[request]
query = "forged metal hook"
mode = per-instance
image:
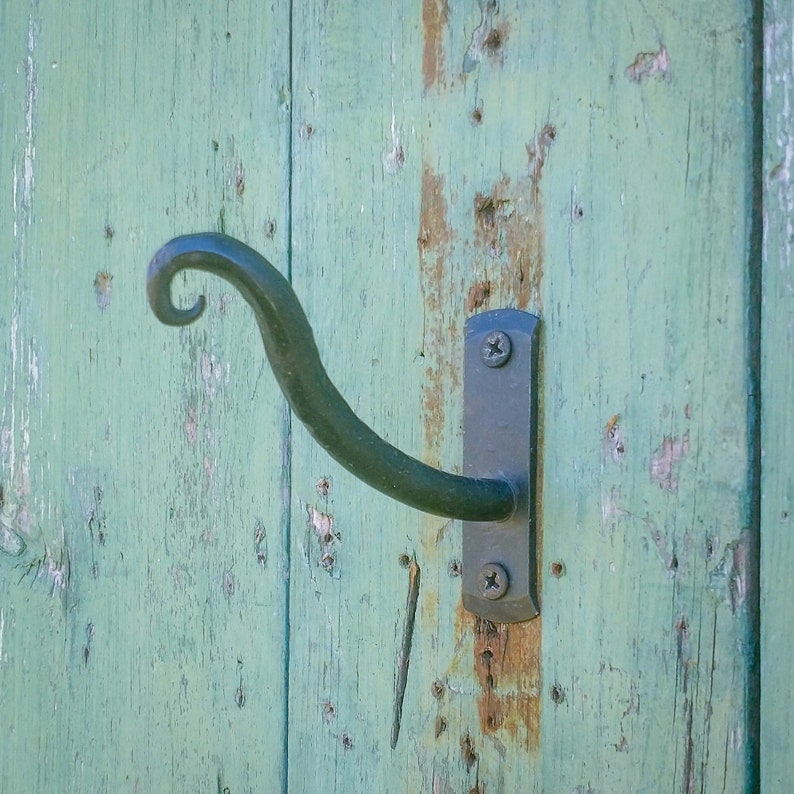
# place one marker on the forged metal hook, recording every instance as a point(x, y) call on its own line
point(292, 352)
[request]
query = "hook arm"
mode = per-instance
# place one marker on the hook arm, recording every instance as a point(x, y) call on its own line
point(293, 356)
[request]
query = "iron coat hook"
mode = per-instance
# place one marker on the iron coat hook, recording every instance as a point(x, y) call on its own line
point(495, 497)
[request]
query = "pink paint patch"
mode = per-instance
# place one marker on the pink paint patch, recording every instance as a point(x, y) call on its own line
point(665, 460)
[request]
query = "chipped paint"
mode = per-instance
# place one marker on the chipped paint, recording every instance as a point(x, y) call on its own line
point(435, 15)
point(239, 179)
point(648, 64)
point(394, 159)
point(190, 426)
point(31, 94)
point(507, 666)
point(12, 541)
point(260, 544)
point(486, 39)
point(435, 241)
point(479, 292)
point(729, 576)
point(614, 443)
point(506, 231)
point(16, 434)
point(213, 373)
point(509, 230)
point(537, 151)
point(103, 286)
point(665, 459)
point(322, 524)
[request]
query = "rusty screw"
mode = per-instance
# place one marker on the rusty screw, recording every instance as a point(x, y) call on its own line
point(495, 349)
point(492, 581)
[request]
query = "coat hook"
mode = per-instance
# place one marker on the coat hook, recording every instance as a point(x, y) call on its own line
point(499, 495)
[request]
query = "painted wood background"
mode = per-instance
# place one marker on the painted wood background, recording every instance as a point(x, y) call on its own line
point(193, 596)
point(143, 625)
point(777, 546)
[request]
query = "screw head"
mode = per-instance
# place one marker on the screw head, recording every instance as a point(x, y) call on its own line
point(492, 581)
point(495, 349)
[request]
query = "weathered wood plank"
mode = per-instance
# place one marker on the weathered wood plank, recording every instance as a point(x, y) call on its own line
point(777, 544)
point(588, 163)
point(142, 630)
point(354, 243)
point(645, 448)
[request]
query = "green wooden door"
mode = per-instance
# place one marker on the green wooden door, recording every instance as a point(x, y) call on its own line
point(193, 595)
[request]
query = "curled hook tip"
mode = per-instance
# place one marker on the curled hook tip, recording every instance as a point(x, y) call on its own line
point(161, 272)
point(169, 314)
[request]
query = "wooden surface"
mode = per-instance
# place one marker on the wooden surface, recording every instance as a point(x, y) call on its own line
point(143, 642)
point(777, 545)
point(204, 600)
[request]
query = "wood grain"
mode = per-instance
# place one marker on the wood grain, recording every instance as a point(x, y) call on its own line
point(594, 172)
point(193, 596)
point(777, 546)
point(143, 634)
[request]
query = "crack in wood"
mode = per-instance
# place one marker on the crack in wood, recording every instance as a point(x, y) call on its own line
point(404, 654)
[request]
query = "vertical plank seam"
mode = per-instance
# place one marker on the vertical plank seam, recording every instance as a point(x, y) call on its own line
point(754, 286)
point(287, 428)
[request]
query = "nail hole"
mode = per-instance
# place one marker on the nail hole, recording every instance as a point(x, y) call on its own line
point(404, 560)
point(347, 741)
point(493, 41)
point(557, 569)
point(323, 485)
point(557, 694)
point(467, 752)
point(455, 568)
point(476, 116)
point(437, 689)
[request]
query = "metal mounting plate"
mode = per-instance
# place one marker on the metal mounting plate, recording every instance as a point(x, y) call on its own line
point(500, 436)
